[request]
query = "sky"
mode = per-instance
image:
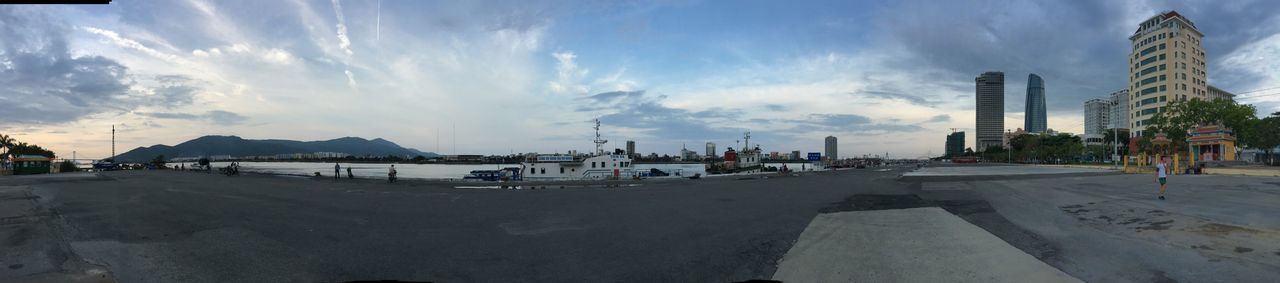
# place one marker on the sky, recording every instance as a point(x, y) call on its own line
point(499, 77)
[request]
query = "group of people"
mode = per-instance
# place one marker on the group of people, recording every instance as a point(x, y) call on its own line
point(337, 169)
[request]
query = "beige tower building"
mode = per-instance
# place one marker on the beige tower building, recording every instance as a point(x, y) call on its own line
point(1166, 64)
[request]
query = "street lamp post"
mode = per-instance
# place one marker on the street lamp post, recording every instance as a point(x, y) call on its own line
point(1115, 135)
point(1008, 151)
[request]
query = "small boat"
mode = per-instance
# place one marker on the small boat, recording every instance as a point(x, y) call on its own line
point(504, 174)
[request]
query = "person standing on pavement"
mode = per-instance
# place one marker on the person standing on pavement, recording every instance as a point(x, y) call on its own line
point(349, 176)
point(336, 169)
point(1162, 173)
point(391, 174)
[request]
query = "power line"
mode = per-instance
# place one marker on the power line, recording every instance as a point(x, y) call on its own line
point(1254, 96)
point(1258, 90)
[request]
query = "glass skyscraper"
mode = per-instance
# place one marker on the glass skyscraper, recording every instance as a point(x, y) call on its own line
point(1036, 120)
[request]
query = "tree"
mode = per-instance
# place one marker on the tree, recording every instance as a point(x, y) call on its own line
point(158, 161)
point(1109, 137)
point(1265, 135)
point(5, 143)
point(1183, 115)
point(22, 148)
point(67, 166)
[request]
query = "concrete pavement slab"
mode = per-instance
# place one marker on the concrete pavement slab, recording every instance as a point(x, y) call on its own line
point(907, 245)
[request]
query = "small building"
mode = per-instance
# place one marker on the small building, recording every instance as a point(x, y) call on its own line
point(1212, 143)
point(31, 164)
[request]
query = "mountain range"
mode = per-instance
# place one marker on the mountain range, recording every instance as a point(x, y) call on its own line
point(236, 146)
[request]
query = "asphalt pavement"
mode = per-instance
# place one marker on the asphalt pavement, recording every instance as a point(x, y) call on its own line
point(165, 226)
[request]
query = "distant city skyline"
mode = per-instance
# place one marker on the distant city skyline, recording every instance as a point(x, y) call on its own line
point(496, 78)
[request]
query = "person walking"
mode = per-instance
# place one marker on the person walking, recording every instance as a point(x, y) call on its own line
point(391, 174)
point(1162, 173)
point(349, 176)
point(336, 169)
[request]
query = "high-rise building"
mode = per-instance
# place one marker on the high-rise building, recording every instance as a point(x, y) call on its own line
point(795, 155)
point(711, 149)
point(1216, 93)
point(831, 149)
point(1036, 120)
point(631, 148)
point(1166, 64)
point(1097, 119)
point(1097, 115)
point(989, 109)
point(1119, 117)
point(955, 144)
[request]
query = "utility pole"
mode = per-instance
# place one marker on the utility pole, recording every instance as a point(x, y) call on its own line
point(1115, 134)
point(113, 143)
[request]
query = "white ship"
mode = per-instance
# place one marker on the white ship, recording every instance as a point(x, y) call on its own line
point(602, 165)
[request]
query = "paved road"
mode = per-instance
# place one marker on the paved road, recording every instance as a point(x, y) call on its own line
point(190, 227)
point(181, 226)
point(1112, 228)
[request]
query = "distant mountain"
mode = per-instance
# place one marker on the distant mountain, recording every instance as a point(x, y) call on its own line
point(236, 146)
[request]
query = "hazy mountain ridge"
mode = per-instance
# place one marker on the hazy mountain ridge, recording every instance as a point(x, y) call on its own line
point(239, 147)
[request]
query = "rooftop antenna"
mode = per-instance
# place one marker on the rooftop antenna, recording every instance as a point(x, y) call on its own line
point(599, 142)
point(746, 139)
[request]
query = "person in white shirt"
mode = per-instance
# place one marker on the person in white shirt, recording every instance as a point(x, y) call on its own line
point(391, 174)
point(1162, 171)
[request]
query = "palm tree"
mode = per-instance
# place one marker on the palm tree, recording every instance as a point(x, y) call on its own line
point(6, 143)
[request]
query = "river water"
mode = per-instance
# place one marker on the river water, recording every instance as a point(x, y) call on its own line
point(436, 171)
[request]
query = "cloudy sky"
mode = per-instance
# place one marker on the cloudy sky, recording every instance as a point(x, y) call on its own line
point(526, 76)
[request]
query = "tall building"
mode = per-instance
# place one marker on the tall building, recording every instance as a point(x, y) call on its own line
point(831, 149)
point(1166, 63)
point(989, 109)
point(955, 144)
point(711, 149)
point(1119, 117)
point(1097, 119)
point(631, 148)
point(1215, 93)
point(1036, 120)
point(795, 155)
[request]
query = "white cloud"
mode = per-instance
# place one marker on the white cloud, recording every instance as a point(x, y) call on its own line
point(568, 75)
point(343, 42)
point(131, 44)
point(351, 79)
point(277, 56)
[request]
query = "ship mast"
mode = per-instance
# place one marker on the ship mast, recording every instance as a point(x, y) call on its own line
point(746, 140)
point(599, 142)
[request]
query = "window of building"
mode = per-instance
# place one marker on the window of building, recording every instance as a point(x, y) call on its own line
point(561, 170)
point(593, 164)
point(1152, 69)
point(1162, 88)
point(1162, 98)
point(1162, 78)
point(531, 171)
point(1162, 67)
